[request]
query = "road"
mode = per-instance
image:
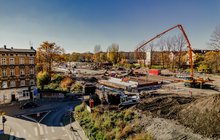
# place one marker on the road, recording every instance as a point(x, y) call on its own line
point(51, 127)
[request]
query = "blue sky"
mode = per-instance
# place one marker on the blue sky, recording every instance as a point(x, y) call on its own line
point(79, 25)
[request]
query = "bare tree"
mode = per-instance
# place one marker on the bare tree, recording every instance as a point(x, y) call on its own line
point(181, 43)
point(168, 46)
point(97, 49)
point(142, 55)
point(174, 46)
point(162, 44)
point(97, 52)
point(173, 42)
point(215, 38)
point(151, 54)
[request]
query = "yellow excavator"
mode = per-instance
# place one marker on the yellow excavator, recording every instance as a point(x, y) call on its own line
point(190, 81)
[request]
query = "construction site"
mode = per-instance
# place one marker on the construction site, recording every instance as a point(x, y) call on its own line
point(167, 109)
point(169, 104)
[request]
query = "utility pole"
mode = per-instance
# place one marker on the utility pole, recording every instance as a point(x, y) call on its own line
point(70, 119)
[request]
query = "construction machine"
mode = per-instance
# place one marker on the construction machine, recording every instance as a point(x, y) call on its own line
point(190, 81)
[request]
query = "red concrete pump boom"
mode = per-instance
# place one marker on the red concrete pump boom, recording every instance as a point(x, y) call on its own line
point(187, 41)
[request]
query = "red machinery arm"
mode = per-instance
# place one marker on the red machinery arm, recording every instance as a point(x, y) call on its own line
point(187, 41)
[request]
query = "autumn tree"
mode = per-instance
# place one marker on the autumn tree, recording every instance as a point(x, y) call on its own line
point(43, 78)
point(212, 59)
point(48, 53)
point(103, 57)
point(87, 57)
point(67, 57)
point(77, 87)
point(204, 67)
point(75, 57)
point(66, 83)
point(113, 54)
point(198, 59)
point(215, 38)
point(39, 61)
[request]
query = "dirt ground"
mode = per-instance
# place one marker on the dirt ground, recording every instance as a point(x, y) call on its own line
point(178, 112)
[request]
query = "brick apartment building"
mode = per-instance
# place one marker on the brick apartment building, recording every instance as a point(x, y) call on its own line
point(17, 74)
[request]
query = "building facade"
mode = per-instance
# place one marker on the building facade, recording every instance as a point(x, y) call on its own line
point(17, 74)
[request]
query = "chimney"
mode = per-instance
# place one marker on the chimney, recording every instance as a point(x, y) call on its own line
point(32, 48)
point(11, 47)
point(4, 46)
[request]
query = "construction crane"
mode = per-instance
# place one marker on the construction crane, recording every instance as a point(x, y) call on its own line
point(190, 81)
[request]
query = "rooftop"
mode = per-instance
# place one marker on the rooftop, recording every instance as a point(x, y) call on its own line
point(5, 49)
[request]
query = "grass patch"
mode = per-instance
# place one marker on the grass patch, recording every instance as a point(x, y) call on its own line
point(107, 125)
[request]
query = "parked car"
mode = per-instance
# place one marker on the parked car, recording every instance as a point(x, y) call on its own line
point(29, 105)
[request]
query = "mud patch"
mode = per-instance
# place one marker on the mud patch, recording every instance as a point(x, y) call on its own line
point(164, 105)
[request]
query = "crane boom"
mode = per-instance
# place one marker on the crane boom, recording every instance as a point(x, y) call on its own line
point(187, 41)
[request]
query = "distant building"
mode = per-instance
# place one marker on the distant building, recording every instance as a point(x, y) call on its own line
point(169, 56)
point(148, 57)
point(17, 74)
point(131, 57)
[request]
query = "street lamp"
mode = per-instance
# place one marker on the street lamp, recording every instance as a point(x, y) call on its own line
point(3, 121)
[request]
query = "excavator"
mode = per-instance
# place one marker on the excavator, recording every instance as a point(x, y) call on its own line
point(189, 81)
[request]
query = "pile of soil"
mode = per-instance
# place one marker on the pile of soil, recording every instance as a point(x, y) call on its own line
point(163, 105)
point(203, 116)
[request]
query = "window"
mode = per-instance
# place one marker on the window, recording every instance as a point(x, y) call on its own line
point(4, 72)
point(3, 61)
point(12, 61)
point(22, 72)
point(12, 83)
point(12, 72)
point(31, 70)
point(31, 61)
point(32, 82)
point(21, 60)
point(4, 84)
point(25, 93)
point(22, 83)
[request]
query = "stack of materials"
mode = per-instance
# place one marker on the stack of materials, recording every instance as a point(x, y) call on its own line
point(119, 83)
point(126, 83)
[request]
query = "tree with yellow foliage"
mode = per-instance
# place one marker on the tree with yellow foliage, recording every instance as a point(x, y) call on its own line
point(48, 53)
point(113, 54)
point(212, 59)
